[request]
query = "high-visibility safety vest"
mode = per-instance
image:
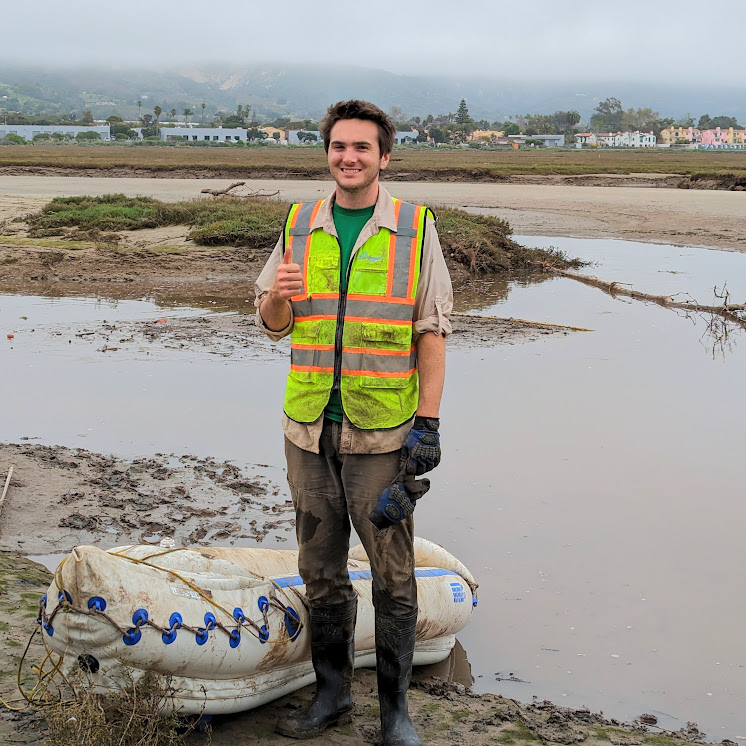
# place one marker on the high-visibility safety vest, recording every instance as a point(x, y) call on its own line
point(359, 340)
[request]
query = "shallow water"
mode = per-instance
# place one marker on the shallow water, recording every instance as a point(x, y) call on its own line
point(591, 482)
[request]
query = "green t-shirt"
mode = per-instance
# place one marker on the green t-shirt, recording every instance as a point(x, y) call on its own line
point(348, 223)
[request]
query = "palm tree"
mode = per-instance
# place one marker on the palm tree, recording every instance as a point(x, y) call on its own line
point(139, 106)
point(173, 114)
point(157, 111)
point(187, 113)
point(203, 112)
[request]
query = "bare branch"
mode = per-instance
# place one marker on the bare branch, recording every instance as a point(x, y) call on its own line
point(234, 185)
point(735, 313)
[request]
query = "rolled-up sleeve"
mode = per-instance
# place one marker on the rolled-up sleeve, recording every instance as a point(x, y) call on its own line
point(263, 284)
point(434, 301)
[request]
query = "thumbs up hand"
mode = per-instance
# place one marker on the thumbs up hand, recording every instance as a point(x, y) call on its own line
point(288, 279)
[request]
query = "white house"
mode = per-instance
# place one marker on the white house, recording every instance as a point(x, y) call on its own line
point(586, 138)
point(405, 138)
point(642, 139)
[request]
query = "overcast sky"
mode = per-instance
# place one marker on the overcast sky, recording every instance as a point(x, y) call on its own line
point(539, 40)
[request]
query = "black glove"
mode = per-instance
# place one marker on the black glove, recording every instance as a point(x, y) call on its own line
point(397, 501)
point(421, 450)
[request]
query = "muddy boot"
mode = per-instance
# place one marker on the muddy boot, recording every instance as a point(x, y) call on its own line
point(394, 650)
point(333, 658)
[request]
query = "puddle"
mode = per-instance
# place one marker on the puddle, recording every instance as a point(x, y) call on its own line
point(591, 482)
point(50, 561)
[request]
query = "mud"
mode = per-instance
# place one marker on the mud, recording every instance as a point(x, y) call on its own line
point(60, 497)
point(444, 712)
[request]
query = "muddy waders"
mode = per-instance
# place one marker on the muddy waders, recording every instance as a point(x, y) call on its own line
point(394, 650)
point(333, 658)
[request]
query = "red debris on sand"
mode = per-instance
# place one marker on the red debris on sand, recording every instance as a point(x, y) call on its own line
point(161, 321)
point(11, 336)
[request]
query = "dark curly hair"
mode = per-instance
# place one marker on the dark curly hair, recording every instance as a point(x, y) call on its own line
point(355, 109)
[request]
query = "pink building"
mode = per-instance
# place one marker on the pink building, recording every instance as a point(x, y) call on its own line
point(719, 138)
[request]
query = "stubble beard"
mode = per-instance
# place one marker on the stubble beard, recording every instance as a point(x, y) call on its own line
point(355, 190)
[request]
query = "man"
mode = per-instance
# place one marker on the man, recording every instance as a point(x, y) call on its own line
point(360, 282)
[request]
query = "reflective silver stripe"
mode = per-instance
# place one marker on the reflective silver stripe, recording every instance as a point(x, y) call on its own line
point(312, 358)
point(372, 309)
point(315, 307)
point(403, 252)
point(301, 230)
point(379, 363)
point(405, 224)
point(303, 223)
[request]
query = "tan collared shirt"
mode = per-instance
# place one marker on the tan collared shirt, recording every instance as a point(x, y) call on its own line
point(432, 309)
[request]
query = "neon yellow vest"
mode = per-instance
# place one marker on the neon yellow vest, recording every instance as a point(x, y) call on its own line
point(361, 339)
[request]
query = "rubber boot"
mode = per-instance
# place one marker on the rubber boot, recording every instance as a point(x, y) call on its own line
point(394, 651)
point(333, 657)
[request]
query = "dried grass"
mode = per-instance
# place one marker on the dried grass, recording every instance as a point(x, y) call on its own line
point(139, 714)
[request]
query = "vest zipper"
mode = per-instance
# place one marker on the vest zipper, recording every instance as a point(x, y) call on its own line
point(336, 382)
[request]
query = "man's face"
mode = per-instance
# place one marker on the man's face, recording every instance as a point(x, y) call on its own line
point(354, 155)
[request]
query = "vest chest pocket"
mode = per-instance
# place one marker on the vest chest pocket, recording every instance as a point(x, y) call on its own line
point(307, 332)
point(386, 336)
point(325, 273)
point(370, 271)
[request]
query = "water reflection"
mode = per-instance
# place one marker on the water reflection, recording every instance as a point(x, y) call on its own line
point(477, 294)
point(455, 669)
point(236, 297)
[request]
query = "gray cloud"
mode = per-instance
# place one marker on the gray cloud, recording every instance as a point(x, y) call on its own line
point(635, 40)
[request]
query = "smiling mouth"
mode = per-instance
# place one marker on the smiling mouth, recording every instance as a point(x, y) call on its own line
point(350, 170)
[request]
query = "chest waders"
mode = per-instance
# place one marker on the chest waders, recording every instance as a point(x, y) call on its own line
point(357, 340)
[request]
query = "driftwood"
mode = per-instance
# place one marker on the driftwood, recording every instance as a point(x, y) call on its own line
point(5, 489)
point(227, 190)
point(730, 311)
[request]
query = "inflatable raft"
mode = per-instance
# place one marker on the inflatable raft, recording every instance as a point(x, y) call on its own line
point(228, 626)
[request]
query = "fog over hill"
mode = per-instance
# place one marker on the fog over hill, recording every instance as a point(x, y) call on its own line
point(304, 91)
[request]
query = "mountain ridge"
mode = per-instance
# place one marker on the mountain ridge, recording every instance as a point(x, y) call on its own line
point(304, 91)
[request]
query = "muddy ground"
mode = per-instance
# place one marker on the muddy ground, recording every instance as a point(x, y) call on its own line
point(444, 711)
point(60, 497)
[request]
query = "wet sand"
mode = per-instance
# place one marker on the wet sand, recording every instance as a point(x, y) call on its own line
point(675, 216)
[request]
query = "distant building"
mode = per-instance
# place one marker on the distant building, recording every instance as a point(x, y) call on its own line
point(586, 138)
point(679, 135)
point(723, 139)
point(550, 141)
point(204, 134)
point(406, 138)
point(28, 131)
point(294, 137)
point(618, 139)
point(490, 135)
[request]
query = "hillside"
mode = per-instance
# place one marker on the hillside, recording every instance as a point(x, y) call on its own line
point(305, 90)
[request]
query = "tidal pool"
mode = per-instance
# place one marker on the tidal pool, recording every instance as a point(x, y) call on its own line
point(591, 482)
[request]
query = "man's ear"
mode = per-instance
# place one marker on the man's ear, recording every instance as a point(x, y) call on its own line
point(385, 160)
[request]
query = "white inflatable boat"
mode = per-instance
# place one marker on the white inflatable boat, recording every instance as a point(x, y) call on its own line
point(227, 625)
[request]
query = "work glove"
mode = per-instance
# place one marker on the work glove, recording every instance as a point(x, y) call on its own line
point(397, 500)
point(421, 450)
